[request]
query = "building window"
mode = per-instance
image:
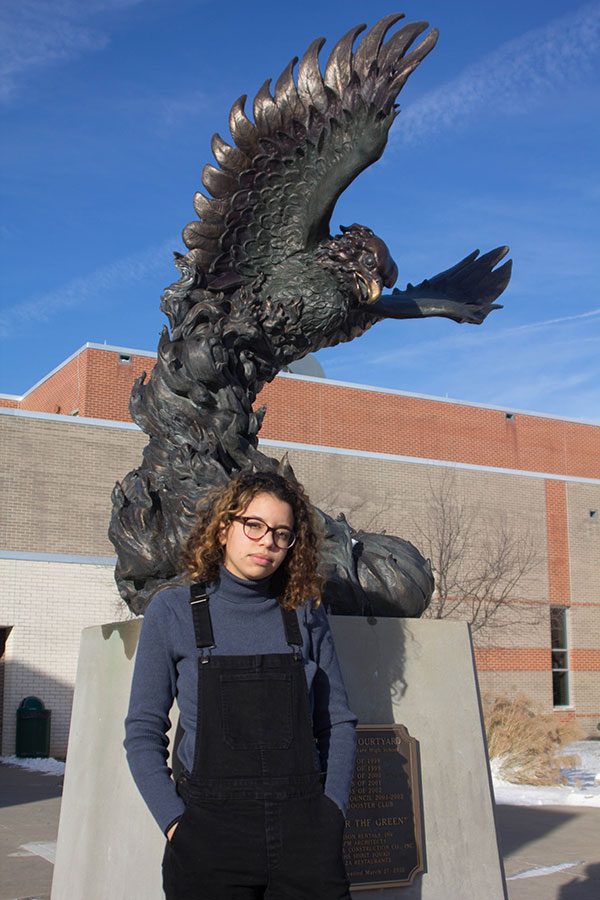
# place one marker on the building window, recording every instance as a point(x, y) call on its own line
point(560, 656)
point(124, 358)
point(594, 515)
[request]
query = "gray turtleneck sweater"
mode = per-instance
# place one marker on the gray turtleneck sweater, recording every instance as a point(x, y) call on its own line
point(246, 619)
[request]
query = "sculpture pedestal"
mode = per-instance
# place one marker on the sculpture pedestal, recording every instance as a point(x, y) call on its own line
point(419, 673)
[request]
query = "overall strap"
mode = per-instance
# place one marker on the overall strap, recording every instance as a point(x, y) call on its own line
point(201, 616)
point(293, 635)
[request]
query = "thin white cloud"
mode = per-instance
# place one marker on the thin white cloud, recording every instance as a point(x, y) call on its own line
point(510, 78)
point(35, 34)
point(87, 288)
point(165, 113)
point(592, 313)
point(474, 338)
point(503, 366)
point(556, 370)
point(175, 111)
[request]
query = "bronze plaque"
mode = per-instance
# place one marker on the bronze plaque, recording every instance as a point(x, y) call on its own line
point(383, 842)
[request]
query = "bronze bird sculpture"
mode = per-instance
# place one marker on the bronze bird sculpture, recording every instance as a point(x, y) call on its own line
point(264, 283)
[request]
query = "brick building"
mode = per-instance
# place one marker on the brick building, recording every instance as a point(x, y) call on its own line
point(383, 457)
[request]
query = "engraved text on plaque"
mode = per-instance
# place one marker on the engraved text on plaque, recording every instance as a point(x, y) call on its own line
point(382, 843)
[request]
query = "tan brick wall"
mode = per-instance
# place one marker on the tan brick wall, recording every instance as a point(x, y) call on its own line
point(56, 480)
point(559, 579)
point(48, 605)
point(58, 476)
point(537, 686)
point(523, 625)
point(377, 494)
point(585, 694)
point(584, 660)
point(583, 625)
point(584, 541)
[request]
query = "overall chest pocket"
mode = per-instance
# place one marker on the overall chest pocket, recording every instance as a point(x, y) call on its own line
point(256, 710)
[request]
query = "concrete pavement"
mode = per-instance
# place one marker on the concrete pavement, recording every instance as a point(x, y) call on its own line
point(536, 840)
point(29, 810)
point(550, 853)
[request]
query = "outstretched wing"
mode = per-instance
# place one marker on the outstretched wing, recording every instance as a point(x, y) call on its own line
point(273, 191)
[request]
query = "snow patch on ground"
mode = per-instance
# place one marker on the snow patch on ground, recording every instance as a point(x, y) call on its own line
point(543, 870)
point(581, 788)
point(45, 849)
point(44, 766)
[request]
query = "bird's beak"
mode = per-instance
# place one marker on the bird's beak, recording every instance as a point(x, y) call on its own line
point(368, 291)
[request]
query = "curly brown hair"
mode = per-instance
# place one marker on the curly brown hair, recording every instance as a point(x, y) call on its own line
point(297, 578)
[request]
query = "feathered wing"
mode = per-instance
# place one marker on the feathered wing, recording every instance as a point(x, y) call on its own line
point(271, 195)
point(273, 191)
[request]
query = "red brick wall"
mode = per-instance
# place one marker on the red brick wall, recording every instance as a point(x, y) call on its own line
point(557, 532)
point(62, 392)
point(513, 659)
point(334, 416)
point(585, 660)
point(95, 382)
point(112, 381)
point(10, 404)
point(313, 412)
point(533, 659)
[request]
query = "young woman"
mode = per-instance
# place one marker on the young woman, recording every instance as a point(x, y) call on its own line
point(268, 740)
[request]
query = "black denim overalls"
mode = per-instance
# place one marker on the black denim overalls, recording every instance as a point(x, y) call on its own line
point(256, 824)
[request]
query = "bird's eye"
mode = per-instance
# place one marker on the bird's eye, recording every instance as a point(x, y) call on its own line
point(370, 261)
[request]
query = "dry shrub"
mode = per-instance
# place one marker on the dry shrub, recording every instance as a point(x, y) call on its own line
point(526, 743)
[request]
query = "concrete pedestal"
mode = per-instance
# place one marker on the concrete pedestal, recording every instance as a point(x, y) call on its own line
point(418, 673)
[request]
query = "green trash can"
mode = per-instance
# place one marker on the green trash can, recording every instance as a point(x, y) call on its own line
point(33, 729)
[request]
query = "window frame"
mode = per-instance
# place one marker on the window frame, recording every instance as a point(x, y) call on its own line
point(564, 669)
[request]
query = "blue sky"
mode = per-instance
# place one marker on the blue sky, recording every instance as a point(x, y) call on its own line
point(108, 107)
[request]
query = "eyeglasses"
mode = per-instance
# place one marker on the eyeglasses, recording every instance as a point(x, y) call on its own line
point(255, 529)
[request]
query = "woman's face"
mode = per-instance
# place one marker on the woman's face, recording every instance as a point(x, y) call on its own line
point(254, 559)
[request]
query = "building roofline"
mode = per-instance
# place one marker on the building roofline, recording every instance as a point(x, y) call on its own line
point(64, 419)
point(79, 559)
point(151, 354)
point(112, 348)
point(423, 460)
point(451, 400)
point(53, 372)
point(315, 448)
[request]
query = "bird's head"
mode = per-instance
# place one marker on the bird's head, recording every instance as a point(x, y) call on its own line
point(365, 259)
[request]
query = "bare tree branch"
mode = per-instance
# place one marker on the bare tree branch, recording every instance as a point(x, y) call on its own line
point(479, 561)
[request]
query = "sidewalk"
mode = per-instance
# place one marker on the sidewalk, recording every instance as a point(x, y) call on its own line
point(537, 841)
point(556, 848)
point(29, 810)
